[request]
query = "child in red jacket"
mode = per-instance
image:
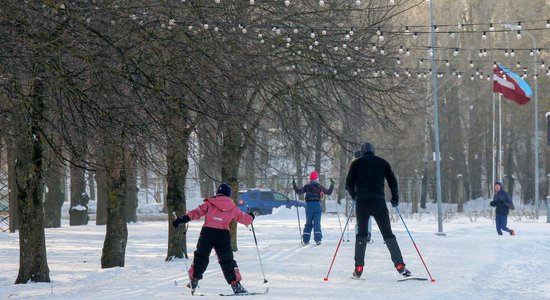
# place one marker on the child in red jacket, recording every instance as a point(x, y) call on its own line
point(218, 211)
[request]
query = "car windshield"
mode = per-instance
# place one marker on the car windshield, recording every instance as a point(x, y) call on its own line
point(280, 197)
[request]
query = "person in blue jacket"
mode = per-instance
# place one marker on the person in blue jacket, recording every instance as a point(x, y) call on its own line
point(314, 192)
point(503, 203)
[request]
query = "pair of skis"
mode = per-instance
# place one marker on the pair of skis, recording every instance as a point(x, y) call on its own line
point(197, 293)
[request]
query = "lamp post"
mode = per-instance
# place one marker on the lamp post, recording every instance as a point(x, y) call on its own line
point(436, 125)
point(537, 195)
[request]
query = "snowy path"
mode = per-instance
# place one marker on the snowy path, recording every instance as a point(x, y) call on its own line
point(470, 262)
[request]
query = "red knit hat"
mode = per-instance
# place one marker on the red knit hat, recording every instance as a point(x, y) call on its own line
point(313, 176)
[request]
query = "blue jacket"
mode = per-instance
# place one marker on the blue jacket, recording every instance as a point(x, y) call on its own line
point(314, 191)
point(503, 202)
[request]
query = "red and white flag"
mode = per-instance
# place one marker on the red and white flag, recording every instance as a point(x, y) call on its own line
point(511, 85)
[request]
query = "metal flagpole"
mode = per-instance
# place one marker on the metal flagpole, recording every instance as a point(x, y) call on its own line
point(494, 152)
point(500, 167)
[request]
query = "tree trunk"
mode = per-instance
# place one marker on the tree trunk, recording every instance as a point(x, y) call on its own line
point(207, 152)
point(131, 198)
point(343, 170)
point(116, 237)
point(232, 151)
point(55, 195)
point(12, 188)
point(33, 264)
point(91, 185)
point(102, 198)
point(178, 165)
point(78, 212)
point(54, 177)
point(318, 145)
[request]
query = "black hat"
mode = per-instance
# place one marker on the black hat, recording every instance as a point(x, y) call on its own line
point(367, 147)
point(224, 189)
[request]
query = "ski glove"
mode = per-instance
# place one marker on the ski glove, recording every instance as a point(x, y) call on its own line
point(293, 182)
point(180, 220)
point(332, 181)
point(252, 215)
point(394, 202)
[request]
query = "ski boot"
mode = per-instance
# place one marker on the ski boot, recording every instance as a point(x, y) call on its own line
point(318, 243)
point(403, 271)
point(238, 288)
point(357, 272)
point(193, 284)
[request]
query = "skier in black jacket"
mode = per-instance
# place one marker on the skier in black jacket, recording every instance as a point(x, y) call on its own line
point(503, 203)
point(365, 184)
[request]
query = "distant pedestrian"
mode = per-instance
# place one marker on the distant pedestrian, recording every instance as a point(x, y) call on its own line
point(218, 211)
point(365, 183)
point(314, 192)
point(503, 203)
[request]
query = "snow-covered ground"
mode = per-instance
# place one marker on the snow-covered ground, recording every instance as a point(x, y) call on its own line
point(470, 262)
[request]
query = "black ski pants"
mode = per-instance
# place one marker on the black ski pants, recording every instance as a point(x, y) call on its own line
point(220, 240)
point(377, 208)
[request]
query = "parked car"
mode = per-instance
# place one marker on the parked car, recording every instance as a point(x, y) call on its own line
point(263, 201)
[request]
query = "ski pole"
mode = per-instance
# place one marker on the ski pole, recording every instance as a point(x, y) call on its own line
point(338, 214)
point(185, 252)
point(297, 212)
point(258, 250)
point(339, 242)
point(420, 255)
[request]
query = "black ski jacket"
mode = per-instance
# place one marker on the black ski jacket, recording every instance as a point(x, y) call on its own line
point(365, 179)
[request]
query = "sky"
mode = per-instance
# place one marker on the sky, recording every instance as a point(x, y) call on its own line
point(469, 262)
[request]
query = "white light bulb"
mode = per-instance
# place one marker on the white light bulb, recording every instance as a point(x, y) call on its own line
point(217, 1)
point(512, 54)
point(244, 30)
point(356, 48)
point(336, 48)
point(381, 37)
point(251, 2)
point(205, 26)
point(484, 36)
point(295, 30)
point(344, 46)
point(347, 37)
point(287, 3)
point(316, 43)
point(392, 2)
point(348, 58)
point(321, 2)
point(531, 53)
point(324, 32)
point(518, 36)
point(358, 2)
point(455, 53)
point(260, 35)
point(216, 28)
point(312, 35)
point(452, 34)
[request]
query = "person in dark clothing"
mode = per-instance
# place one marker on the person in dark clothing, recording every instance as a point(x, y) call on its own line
point(503, 203)
point(356, 155)
point(218, 212)
point(365, 184)
point(314, 192)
